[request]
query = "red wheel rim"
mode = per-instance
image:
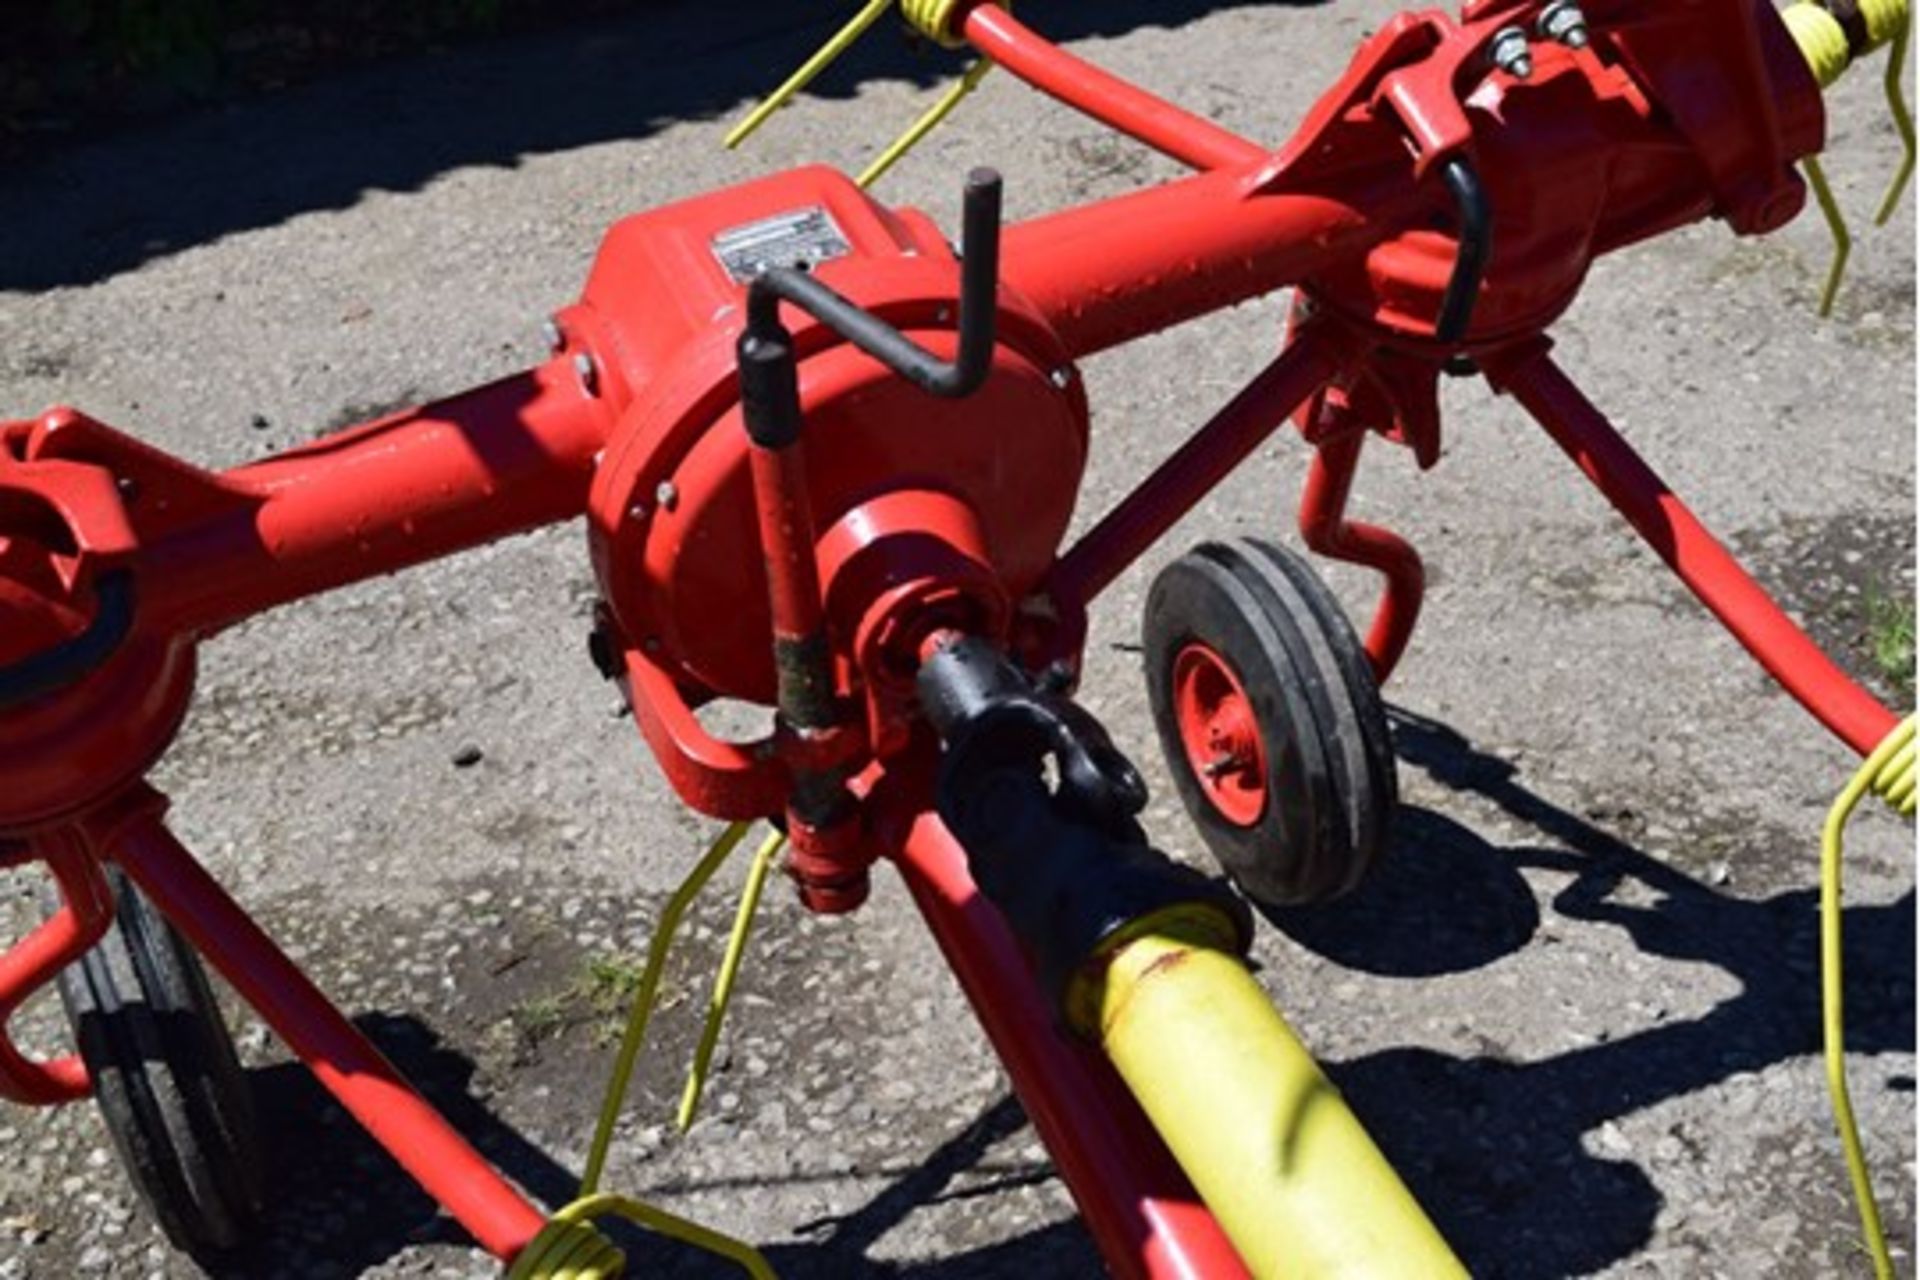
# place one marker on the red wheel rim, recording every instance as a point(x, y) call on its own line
point(1220, 735)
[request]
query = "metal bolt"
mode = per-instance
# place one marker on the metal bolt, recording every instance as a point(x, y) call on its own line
point(1563, 21)
point(555, 337)
point(1061, 378)
point(1221, 765)
point(1508, 52)
point(666, 495)
point(589, 376)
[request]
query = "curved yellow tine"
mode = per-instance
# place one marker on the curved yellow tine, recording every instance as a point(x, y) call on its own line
point(841, 41)
point(925, 124)
point(729, 970)
point(673, 1226)
point(1837, 224)
point(643, 999)
point(1902, 121)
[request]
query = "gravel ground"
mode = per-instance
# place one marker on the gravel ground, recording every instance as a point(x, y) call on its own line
point(1578, 1007)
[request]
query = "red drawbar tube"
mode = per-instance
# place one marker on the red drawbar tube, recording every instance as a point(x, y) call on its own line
point(1188, 138)
point(1324, 527)
point(1260, 409)
point(1141, 1210)
point(341, 1059)
point(1707, 568)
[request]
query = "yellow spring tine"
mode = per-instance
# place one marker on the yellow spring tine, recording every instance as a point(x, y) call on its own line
point(925, 124)
point(729, 970)
point(842, 40)
point(1902, 121)
point(672, 1226)
point(643, 999)
point(1837, 224)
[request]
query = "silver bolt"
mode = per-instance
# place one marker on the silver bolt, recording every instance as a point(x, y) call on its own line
point(1220, 766)
point(1563, 21)
point(1508, 51)
point(551, 332)
point(666, 495)
point(1061, 378)
point(589, 376)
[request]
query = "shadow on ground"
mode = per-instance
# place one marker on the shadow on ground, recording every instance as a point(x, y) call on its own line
point(1492, 1146)
point(341, 1206)
point(101, 208)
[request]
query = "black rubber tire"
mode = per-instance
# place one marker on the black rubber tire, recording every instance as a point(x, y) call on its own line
point(1331, 783)
point(176, 1102)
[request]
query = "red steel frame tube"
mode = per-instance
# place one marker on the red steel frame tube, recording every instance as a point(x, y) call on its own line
point(1158, 503)
point(1107, 273)
point(499, 459)
point(1139, 1206)
point(86, 908)
point(342, 1059)
point(1188, 138)
point(1707, 568)
point(1325, 529)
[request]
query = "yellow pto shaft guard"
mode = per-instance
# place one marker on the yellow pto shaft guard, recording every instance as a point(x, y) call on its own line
point(1267, 1140)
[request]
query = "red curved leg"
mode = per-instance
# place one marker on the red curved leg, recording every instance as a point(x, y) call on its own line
point(341, 1058)
point(1326, 530)
point(85, 911)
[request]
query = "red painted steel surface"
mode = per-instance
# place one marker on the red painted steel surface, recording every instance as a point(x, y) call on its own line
point(1145, 1216)
point(1324, 527)
point(1709, 570)
point(1195, 468)
point(341, 1059)
point(411, 487)
point(86, 909)
point(1191, 139)
point(1674, 113)
point(1220, 734)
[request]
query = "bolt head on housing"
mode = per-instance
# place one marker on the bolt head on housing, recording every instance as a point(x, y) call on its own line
point(1508, 52)
point(1563, 21)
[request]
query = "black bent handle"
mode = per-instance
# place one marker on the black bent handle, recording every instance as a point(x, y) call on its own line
point(68, 661)
point(979, 293)
point(1470, 259)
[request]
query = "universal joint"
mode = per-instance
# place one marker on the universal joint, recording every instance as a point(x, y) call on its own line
point(1044, 805)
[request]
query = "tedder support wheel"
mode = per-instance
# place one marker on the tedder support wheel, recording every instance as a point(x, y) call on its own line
point(1270, 720)
point(166, 1077)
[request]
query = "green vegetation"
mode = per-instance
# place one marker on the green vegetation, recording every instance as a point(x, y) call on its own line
point(599, 992)
point(1890, 639)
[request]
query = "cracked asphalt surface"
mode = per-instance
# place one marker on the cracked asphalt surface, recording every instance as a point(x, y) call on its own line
point(1578, 1007)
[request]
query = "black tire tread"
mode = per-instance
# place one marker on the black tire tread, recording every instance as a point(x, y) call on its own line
point(166, 1077)
point(1332, 784)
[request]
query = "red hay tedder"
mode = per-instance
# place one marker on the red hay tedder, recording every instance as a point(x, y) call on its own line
point(791, 406)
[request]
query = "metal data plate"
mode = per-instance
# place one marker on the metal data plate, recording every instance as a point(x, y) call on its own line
point(800, 236)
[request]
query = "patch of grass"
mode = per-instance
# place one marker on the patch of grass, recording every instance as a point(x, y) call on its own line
point(600, 991)
point(541, 1017)
point(608, 983)
point(1890, 639)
